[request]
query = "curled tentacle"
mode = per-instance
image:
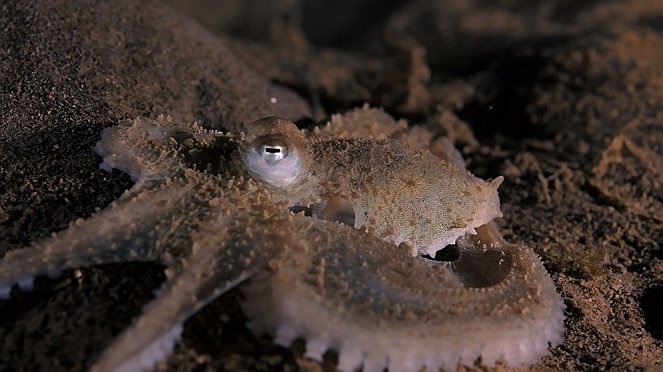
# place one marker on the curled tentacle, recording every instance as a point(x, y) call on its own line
point(380, 307)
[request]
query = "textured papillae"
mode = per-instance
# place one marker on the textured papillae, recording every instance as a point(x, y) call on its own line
point(406, 199)
point(218, 209)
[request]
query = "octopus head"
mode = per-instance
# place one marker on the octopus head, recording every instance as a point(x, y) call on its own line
point(400, 194)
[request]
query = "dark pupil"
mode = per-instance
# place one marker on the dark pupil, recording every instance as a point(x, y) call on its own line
point(273, 150)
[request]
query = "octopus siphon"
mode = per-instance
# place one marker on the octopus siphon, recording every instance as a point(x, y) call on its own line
point(325, 231)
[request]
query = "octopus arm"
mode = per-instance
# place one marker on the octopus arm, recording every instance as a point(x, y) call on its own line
point(152, 336)
point(361, 123)
point(153, 151)
point(384, 308)
point(375, 122)
point(133, 228)
point(228, 249)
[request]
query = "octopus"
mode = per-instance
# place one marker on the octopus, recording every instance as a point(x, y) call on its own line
point(325, 231)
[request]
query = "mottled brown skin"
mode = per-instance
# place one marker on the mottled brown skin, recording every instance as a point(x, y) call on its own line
point(411, 197)
point(202, 208)
point(399, 194)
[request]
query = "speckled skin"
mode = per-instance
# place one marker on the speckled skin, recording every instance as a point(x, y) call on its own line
point(214, 222)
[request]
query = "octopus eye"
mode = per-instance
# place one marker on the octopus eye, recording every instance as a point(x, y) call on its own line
point(273, 151)
point(273, 162)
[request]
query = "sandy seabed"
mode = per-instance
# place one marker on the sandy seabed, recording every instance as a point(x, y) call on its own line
point(562, 98)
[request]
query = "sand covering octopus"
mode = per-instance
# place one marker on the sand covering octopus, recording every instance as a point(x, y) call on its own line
point(261, 210)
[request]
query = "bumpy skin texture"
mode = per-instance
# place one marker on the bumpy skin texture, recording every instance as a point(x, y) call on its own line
point(214, 209)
